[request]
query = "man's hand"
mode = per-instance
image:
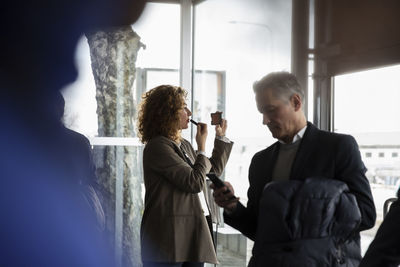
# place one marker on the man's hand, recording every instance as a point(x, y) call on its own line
point(228, 201)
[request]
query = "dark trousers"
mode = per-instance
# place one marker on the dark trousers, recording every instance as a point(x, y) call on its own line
point(172, 264)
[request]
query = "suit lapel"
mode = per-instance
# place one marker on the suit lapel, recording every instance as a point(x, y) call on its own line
point(270, 163)
point(306, 148)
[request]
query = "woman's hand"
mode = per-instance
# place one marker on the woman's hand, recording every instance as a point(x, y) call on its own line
point(220, 129)
point(201, 136)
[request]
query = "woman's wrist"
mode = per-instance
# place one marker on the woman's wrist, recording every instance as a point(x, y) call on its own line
point(201, 147)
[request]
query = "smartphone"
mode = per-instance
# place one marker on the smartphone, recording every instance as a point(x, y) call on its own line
point(218, 182)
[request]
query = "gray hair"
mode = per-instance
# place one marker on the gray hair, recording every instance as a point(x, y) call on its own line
point(283, 84)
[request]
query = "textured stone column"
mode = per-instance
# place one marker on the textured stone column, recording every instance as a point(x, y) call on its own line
point(113, 54)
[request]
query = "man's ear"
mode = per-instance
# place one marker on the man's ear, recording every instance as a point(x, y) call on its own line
point(295, 101)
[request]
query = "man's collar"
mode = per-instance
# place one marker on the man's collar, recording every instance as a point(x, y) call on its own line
point(298, 136)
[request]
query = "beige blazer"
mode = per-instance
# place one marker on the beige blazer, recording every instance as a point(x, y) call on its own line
point(174, 228)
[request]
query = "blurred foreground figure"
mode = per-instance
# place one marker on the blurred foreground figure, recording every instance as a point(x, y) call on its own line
point(45, 219)
point(81, 160)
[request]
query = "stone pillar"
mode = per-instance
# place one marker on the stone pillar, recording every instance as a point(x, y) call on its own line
point(113, 55)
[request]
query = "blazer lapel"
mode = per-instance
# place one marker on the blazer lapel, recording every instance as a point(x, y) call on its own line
point(306, 148)
point(178, 150)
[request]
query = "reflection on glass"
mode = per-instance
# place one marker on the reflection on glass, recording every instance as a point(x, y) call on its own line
point(366, 106)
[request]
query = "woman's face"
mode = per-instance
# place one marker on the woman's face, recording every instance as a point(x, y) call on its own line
point(184, 115)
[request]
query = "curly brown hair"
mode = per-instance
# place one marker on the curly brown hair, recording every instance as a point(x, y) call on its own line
point(159, 112)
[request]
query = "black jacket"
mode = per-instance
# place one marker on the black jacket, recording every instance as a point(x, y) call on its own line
point(308, 224)
point(320, 154)
point(384, 251)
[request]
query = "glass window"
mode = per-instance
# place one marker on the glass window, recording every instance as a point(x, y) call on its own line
point(117, 154)
point(395, 154)
point(368, 154)
point(159, 31)
point(236, 43)
point(158, 61)
point(366, 106)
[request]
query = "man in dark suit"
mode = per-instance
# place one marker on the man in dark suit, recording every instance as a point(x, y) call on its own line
point(302, 151)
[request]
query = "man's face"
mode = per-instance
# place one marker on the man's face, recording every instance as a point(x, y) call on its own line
point(278, 114)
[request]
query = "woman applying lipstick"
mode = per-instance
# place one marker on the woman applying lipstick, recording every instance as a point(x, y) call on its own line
point(174, 230)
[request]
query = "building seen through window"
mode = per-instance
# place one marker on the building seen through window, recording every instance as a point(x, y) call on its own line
point(377, 130)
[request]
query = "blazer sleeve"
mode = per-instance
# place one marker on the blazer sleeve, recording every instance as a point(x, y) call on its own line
point(220, 155)
point(351, 170)
point(161, 157)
